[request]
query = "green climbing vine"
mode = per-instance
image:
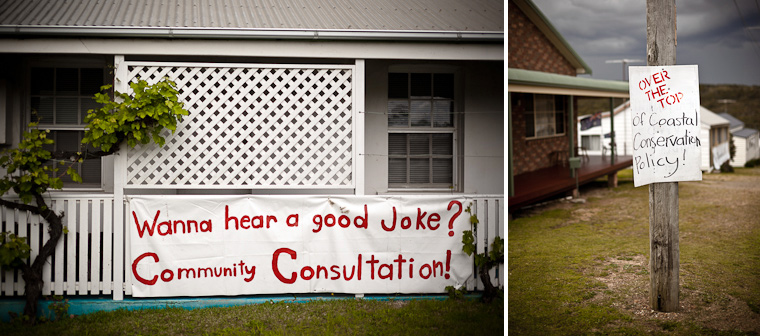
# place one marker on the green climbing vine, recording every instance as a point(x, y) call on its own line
point(492, 256)
point(135, 118)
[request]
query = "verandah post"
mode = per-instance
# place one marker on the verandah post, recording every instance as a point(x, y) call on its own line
point(663, 197)
point(120, 252)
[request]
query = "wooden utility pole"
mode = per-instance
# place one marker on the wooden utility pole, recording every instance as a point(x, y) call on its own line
point(664, 261)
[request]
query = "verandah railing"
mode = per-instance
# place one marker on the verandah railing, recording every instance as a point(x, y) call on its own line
point(90, 258)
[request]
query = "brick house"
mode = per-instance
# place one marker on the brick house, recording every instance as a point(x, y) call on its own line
point(543, 95)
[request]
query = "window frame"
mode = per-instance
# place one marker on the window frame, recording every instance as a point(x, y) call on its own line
point(78, 62)
point(554, 116)
point(454, 130)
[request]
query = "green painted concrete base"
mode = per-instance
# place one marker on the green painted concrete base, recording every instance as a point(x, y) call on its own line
point(88, 305)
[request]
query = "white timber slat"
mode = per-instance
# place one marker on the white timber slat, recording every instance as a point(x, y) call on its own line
point(58, 286)
point(71, 247)
point(127, 256)
point(492, 230)
point(96, 222)
point(83, 256)
point(482, 235)
point(34, 240)
point(107, 245)
point(47, 268)
point(502, 233)
point(9, 222)
point(22, 232)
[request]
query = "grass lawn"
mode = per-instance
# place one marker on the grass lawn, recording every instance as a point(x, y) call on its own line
point(583, 268)
point(333, 317)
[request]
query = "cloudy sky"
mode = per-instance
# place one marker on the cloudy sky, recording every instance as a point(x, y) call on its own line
point(711, 34)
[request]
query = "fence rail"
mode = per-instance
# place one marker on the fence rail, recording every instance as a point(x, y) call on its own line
point(83, 259)
point(83, 262)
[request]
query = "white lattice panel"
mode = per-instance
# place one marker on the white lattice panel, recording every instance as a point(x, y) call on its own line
point(251, 126)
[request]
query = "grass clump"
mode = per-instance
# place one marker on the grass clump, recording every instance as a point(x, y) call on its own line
point(333, 317)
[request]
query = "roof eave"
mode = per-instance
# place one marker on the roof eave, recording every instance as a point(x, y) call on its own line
point(537, 79)
point(239, 33)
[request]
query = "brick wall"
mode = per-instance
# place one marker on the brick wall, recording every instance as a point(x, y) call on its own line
point(529, 49)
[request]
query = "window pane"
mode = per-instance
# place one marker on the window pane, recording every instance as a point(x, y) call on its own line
point(67, 81)
point(545, 124)
point(398, 113)
point(443, 113)
point(67, 141)
point(560, 122)
point(90, 171)
point(421, 85)
point(419, 170)
point(66, 110)
point(443, 86)
point(42, 81)
point(544, 103)
point(443, 171)
point(88, 104)
point(396, 170)
point(530, 125)
point(396, 144)
point(92, 80)
point(398, 85)
point(420, 114)
point(42, 110)
point(443, 144)
point(419, 144)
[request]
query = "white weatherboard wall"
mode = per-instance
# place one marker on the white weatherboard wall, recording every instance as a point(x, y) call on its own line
point(746, 149)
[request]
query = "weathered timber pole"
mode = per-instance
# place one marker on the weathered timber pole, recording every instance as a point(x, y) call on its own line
point(664, 261)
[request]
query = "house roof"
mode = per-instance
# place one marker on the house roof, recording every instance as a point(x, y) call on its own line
point(744, 132)
point(545, 26)
point(710, 118)
point(521, 80)
point(606, 114)
point(332, 19)
point(733, 122)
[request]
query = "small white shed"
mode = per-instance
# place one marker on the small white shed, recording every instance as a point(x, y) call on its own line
point(745, 140)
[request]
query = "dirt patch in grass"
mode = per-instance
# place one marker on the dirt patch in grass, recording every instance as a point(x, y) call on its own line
point(626, 287)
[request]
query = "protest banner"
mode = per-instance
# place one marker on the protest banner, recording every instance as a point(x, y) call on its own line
point(233, 245)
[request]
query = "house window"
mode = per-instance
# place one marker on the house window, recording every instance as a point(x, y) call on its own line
point(544, 116)
point(60, 99)
point(421, 130)
point(591, 142)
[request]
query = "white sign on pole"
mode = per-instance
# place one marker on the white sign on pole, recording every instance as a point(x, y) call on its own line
point(665, 118)
point(232, 245)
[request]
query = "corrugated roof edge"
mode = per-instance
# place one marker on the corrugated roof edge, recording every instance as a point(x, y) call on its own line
point(538, 78)
point(237, 33)
point(744, 132)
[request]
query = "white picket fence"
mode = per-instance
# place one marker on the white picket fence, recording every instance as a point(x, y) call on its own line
point(90, 259)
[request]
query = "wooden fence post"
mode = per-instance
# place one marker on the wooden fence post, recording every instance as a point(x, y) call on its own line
point(664, 261)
